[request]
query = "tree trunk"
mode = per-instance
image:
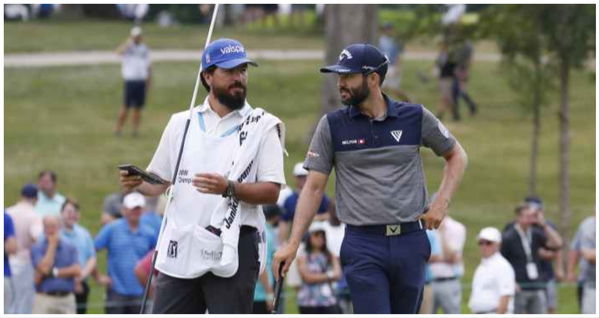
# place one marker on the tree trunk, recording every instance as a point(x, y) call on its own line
point(536, 130)
point(565, 210)
point(344, 24)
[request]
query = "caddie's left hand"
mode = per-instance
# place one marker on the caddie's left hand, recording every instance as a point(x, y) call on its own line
point(436, 214)
point(210, 183)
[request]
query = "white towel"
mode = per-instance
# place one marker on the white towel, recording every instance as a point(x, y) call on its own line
point(226, 215)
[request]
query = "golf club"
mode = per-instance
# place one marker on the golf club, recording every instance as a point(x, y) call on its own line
point(278, 287)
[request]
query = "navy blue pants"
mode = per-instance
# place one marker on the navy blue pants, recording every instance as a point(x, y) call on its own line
point(386, 274)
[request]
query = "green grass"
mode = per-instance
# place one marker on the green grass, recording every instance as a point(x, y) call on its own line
point(42, 36)
point(62, 119)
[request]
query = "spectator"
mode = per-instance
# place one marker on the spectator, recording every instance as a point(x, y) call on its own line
point(263, 292)
point(318, 269)
point(113, 203)
point(290, 204)
point(28, 228)
point(550, 256)
point(79, 237)
point(446, 274)
point(574, 257)
point(522, 243)
point(493, 283)
point(126, 241)
point(587, 230)
point(446, 78)
point(334, 231)
point(137, 74)
point(393, 49)
point(150, 216)
point(49, 200)
point(142, 272)
point(56, 268)
point(435, 256)
point(10, 248)
point(463, 55)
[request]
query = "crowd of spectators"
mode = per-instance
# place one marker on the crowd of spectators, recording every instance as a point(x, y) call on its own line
point(50, 257)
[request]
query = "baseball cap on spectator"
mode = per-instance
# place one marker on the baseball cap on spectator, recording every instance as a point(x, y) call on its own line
point(490, 234)
point(299, 170)
point(136, 31)
point(29, 191)
point(271, 210)
point(535, 202)
point(317, 226)
point(359, 58)
point(134, 200)
point(225, 53)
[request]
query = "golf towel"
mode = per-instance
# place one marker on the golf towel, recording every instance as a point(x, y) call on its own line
point(226, 215)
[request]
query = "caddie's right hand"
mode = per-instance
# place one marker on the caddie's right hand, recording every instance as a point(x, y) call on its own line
point(285, 254)
point(128, 182)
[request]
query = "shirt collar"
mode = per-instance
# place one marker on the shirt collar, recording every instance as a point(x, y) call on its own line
point(242, 112)
point(392, 109)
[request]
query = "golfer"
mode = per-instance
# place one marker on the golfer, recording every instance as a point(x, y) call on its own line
point(195, 273)
point(374, 145)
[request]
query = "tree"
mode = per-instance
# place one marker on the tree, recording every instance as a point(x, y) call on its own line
point(518, 35)
point(345, 24)
point(570, 30)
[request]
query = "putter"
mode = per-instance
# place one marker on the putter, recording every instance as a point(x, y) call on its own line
point(171, 192)
point(278, 287)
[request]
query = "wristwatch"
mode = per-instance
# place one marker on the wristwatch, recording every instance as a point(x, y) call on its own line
point(230, 190)
point(54, 272)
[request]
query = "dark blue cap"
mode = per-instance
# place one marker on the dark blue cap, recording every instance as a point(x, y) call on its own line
point(29, 191)
point(534, 201)
point(358, 58)
point(225, 53)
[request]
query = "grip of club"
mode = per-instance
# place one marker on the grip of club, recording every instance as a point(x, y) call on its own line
point(278, 288)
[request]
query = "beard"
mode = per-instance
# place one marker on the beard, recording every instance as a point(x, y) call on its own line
point(357, 95)
point(233, 101)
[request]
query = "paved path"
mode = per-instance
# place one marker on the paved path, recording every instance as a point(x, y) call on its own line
point(108, 57)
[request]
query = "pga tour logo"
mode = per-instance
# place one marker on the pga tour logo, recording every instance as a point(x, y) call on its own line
point(361, 141)
point(232, 49)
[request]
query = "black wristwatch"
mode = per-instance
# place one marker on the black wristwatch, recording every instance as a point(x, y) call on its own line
point(230, 190)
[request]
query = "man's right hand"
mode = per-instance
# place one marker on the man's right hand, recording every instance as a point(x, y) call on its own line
point(53, 239)
point(286, 254)
point(128, 183)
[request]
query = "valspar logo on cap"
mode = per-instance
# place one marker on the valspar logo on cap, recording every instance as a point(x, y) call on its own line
point(232, 49)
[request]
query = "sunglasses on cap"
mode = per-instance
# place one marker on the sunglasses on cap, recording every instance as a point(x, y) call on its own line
point(370, 69)
point(484, 242)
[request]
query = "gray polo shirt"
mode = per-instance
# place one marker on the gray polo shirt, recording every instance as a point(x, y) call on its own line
point(378, 167)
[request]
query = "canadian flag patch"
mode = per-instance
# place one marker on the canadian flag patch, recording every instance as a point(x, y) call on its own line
point(397, 134)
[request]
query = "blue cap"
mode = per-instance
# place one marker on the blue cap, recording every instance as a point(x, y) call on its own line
point(358, 58)
point(29, 191)
point(225, 53)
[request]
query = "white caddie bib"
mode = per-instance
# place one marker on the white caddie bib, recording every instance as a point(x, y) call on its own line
point(186, 248)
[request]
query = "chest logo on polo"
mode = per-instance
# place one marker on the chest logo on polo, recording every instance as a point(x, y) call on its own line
point(397, 134)
point(361, 141)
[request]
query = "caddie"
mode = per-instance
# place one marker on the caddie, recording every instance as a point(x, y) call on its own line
point(374, 144)
point(232, 162)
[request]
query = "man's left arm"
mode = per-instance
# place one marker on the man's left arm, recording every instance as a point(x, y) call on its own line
point(456, 163)
point(270, 175)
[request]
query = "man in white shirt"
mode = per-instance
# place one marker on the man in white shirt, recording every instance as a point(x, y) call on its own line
point(200, 186)
point(136, 73)
point(28, 228)
point(493, 284)
point(447, 272)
